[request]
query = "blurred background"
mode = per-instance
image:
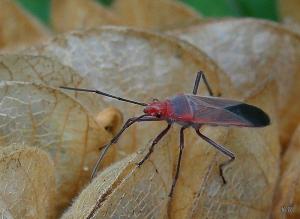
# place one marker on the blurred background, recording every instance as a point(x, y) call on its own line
point(212, 8)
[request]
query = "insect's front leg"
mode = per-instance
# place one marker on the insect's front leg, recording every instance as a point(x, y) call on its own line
point(128, 123)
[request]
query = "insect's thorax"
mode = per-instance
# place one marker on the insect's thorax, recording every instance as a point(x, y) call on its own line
point(179, 108)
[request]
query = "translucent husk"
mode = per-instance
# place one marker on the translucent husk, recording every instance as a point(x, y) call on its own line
point(80, 14)
point(50, 120)
point(27, 183)
point(155, 14)
point(19, 28)
point(287, 197)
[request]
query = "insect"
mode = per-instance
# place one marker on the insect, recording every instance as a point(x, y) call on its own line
point(190, 110)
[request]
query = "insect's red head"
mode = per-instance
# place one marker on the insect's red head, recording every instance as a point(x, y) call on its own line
point(157, 109)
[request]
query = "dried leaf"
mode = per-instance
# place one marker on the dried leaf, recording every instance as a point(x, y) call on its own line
point(111, 119)
point(47, 71)
point(135, 64)
point(155, 14)
point(124, 190)
point(27, 183)
point(289, 12)
point(287, 199)
point(50, 120)
point(18, 28)
point(4, 212)
point(76, 14)
point(252, 53)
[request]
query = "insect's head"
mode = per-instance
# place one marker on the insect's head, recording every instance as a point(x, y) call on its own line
point(156, 108)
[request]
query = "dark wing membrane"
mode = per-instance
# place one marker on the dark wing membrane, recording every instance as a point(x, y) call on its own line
point(225, 112)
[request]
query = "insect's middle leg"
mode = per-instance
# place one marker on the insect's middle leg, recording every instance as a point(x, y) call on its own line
point(200, 75)
point(155, 141)
point(181, 146)
point(220, 148)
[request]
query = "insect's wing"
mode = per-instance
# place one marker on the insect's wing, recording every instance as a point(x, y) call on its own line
point(225, 112)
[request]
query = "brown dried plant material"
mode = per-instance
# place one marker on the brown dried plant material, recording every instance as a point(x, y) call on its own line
point(18, 28)
point(27, 182)
point(49, 119)
point(126, 191)
point(289, 9)
point(135, 64)
point(4, 212)
point(252, 53)
point(47, 71)
point(287, 199)
point(289, 12)
point(162, 67)
point(76, 14)
point(140, 65)
point(111, 119)
point(155, 14)
point(154, 78)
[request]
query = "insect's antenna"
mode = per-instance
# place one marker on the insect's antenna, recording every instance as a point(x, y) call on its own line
point(104, 94)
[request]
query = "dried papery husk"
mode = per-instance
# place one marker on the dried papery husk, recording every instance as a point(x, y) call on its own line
point(155, 14)
point(252, 52)
point(53, 121)
point(50, 72)
point(127, 191)
point(4, 211)
point(27, 182)
point(289, 14)
point(19, 28)
point(111, 119)
point(251, 178)
point(287, 199)
point(77, 14)
point(134, 64)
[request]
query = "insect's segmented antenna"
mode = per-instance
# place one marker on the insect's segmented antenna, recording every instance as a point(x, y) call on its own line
point(104, 94)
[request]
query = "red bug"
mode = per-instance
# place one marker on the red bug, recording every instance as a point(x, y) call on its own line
point(189, 110)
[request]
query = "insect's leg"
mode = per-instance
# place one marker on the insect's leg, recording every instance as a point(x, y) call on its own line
point(220, 148)
point(181, 146)
point(155, 141)
point(128, 123)
point(200, 75)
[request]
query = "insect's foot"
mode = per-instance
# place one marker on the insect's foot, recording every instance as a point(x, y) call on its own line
point(223, 180)
point(139, 164)
point(171, 192)
point(221, 174)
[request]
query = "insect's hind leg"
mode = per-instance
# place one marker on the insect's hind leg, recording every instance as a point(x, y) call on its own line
point(181, 147)
point(200, 75)
point(221, 149)
point(155, 141)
